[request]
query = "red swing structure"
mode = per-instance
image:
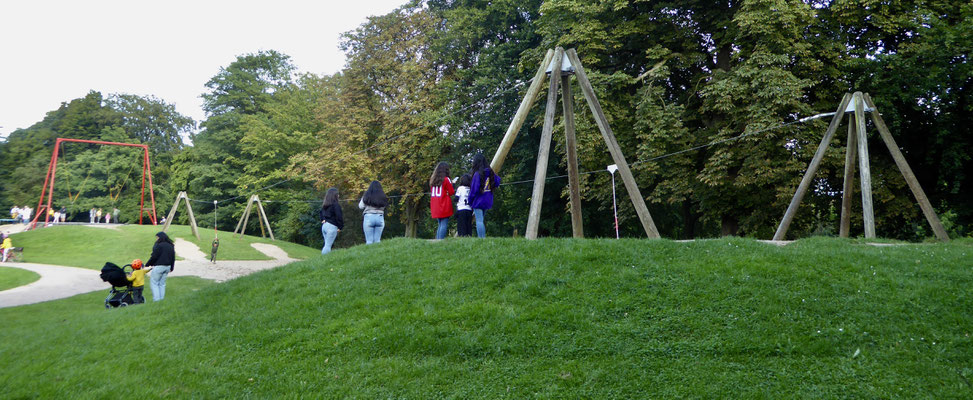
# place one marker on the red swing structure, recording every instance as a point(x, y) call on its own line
point(48, 190)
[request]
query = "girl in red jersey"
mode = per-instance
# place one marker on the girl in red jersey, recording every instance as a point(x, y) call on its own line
point(441, 201)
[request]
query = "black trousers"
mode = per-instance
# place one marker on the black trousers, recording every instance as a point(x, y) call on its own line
point(464, 222)
point(137, 294)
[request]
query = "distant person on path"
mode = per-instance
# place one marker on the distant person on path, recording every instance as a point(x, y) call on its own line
point(98, 216)
point(464, 213)
point(91, 215)
point(15, 213)
point(64, 214)
point(107, 218)
point(481, 193)
point(162, 261)
point(52, 216)
point(373, 204)
point(332, 221)
point(441, 200)
point(5, 246)
point(137, 277)
point(26, 211)
point(114, 215)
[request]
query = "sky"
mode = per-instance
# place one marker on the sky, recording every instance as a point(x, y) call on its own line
point(56, 51)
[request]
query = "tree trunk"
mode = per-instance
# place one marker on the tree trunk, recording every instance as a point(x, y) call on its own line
point(729, 226)
point(689, 219)
point(411, 219)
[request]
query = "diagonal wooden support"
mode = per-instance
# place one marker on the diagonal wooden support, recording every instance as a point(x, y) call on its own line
point(910, 178)
point(508, 138)
point(263, 216)
point(606, 132)
point(544, 151)
point(189, 209)
point(785, 223)
point(244, 216)
point(864, 170)
point(849, 185)
point(571, 151)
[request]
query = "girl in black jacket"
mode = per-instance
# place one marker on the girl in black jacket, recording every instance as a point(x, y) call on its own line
point(331, 219)
point(163, 261)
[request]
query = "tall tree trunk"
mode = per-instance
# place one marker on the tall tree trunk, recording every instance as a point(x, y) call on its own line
point(411, 217)
point(729, 225)
point(689, 219)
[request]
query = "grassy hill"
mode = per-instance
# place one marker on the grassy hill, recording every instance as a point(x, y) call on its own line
point(14, 277)
point(509, 318)
point(91, 247)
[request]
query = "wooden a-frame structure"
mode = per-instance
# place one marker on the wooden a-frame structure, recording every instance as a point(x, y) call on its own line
point(242, 225)
point(856, 105)
point(562, 64)
point(189, 209)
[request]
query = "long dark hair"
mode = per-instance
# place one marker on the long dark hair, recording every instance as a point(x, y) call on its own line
point(440, 173)
point(465, 180)
point(486, 173)
point(375, 196)
point(162, 237)
point(330, 198)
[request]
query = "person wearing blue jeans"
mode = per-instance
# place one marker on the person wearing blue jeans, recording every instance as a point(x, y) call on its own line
point(331, 219)
point(162, 261)
point(373, 205)
point(481, 193)
point(441, 198)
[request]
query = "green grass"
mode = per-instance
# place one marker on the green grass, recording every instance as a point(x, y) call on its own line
point(15, 277)
point(509, 318)
point(88, 247)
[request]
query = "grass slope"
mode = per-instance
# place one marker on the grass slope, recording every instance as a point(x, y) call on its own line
point(509, 318)
point(90, 247)
point(14, 277)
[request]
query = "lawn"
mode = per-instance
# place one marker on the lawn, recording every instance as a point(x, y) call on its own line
point(91, 247)
point(510, 318)
point(15, 277)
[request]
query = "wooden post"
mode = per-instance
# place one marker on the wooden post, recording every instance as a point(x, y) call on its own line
point(785, 222)
point(571, 150)
point(521, 115)
point(544, 151)
point(246, 211)
point(863, 168)
point(606, 132)
point(245, 218)
point(189, 209)
point(910, 178)
point(263, 216)
point(849, 186)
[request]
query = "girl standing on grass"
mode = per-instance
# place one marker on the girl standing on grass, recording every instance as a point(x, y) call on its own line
point(332, 221)
point(481, 193)
point(162, 261)
point(464, 213)
point(373, 204)
point(441, 202)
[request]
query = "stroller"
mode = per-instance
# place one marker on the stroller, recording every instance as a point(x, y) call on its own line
point(121, 293)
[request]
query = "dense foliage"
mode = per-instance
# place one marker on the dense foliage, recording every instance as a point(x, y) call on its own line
point(441, 79)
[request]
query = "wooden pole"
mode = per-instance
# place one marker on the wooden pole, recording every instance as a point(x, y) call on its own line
point(263, 216)
point(849, 186)
point(910, 178)
point(863, 168)
point(544, 150)
point(192, 218)
point(246, 216)
point(172, 211)
point(521, 115)
point(606, 132)
point(246, 210)
point(785, 222)
point(571, 148)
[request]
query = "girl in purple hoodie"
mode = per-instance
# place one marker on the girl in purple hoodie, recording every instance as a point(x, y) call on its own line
point(481, 192)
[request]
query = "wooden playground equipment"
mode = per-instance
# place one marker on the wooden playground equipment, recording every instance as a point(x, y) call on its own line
point(563, 64)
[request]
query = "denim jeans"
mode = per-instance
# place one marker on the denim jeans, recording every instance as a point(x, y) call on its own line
point(443, 228)
point(373, 224)
point(330, 232)
point(480, 222)
point(158, 281)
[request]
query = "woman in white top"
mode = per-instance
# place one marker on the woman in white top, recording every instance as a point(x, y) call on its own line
point(464, 212)
point(373, 205)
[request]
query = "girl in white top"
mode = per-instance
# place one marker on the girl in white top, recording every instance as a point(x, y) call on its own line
point(464, 213)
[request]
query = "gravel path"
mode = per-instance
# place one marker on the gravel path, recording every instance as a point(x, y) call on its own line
point(58, 282)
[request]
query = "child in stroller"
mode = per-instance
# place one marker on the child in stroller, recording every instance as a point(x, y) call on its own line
point(121, 293)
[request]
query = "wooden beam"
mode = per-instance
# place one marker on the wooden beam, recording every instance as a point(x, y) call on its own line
point(246, 211)
point(525, 105)
point(172, 211)
point(246, 216)
point(910, 178)
point(812, 168)
point(263, 215)
point(192, 218)
point(849, 186)
point(544, 151)
point(571, 150)
point(863, 168)
point(616, 152)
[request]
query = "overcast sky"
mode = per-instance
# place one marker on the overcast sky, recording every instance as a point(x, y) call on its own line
point(56, 51)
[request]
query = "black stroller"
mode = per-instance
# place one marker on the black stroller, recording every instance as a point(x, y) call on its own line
point(121, 293)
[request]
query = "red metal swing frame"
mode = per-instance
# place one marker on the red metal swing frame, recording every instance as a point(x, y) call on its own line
point(48, 189)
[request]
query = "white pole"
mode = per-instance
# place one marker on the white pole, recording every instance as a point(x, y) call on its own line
point(612, 168)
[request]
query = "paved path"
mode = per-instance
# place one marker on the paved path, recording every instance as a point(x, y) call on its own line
point(58, 282)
